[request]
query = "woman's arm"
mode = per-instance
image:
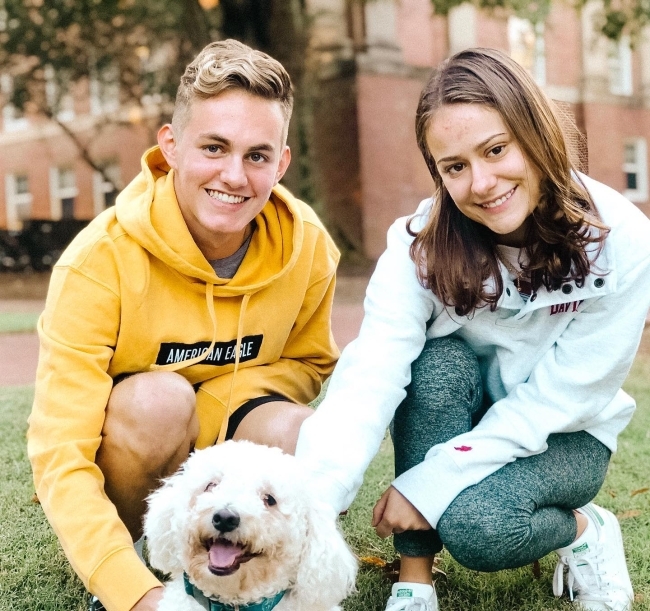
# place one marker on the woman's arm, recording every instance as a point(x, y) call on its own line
point(368, 384)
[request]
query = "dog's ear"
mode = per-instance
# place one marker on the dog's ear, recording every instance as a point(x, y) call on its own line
point(328, 568)
point(162, 524)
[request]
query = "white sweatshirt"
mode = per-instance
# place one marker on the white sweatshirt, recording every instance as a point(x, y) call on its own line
point(554, 364)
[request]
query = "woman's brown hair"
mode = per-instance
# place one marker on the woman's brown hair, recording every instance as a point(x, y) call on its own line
point(455, 255)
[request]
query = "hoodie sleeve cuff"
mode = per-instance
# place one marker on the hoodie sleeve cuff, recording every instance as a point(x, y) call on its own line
point(122, 580)
point(432, 485)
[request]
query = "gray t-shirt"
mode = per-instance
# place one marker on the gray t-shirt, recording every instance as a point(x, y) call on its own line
point(227, 267)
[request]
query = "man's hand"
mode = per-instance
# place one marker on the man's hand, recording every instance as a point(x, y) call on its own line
point(394, 513)
point(149, 602)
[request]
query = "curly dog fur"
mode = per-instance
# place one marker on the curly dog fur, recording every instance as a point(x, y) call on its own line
point(241, 521)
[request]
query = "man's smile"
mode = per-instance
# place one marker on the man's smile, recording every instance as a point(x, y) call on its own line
point(224, 197)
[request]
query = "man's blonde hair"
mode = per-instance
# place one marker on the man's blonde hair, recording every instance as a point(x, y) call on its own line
point(230, 64)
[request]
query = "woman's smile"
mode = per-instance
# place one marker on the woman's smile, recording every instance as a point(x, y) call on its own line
point(498, 202)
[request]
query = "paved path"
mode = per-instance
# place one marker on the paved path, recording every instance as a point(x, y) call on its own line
point(19, 351)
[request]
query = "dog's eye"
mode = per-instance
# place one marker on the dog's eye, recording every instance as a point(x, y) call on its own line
point(269, 501)
point(210, 486)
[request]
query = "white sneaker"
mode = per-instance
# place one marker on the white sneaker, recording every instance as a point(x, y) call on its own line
point(407, 596)
point(597, 574)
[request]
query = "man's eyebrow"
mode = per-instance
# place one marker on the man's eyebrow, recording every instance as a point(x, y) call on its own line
point(217, 138)
point(480, 145)
point(263, 147)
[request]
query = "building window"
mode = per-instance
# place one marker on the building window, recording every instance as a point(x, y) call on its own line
point(63, 187)
point(59, 99)
point(635, 170)
point(13, 118)
point(105, 92)
point(619, 63)
point(527, 48)
point(19, 200)
point(105, 191)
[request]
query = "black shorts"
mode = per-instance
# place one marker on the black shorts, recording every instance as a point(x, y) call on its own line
point(241, 412)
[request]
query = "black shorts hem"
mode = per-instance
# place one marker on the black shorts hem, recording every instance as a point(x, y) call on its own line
point(241, 412)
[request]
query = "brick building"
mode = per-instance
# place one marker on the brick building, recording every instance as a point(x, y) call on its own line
point(606, 85)
point(42, 170)
point(368, 168)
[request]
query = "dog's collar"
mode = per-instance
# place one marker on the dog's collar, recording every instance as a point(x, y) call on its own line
point(214, 605)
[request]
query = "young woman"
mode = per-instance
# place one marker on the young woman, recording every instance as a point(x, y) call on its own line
point(500, 325)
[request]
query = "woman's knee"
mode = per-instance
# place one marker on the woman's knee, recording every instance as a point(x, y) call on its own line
point(485, 539)
point(447, 365)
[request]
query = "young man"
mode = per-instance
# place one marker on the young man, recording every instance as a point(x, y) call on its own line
point(197, 309)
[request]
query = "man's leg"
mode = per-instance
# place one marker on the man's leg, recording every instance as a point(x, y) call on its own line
point(150, 428)
point(276, 423)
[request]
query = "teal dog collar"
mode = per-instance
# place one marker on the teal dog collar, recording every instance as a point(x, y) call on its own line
point(214, 605)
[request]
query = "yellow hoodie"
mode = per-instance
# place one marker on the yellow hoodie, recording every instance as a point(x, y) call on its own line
point(134, 293)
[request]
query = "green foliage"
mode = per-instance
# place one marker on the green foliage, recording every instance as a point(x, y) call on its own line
point(629, 17)
point(615, 19)
point(534, 11)
point(99, 39)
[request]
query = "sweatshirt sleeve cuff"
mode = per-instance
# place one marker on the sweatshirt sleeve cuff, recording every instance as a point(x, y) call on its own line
point(122, 580)
point(432, 485)
point(330, 491)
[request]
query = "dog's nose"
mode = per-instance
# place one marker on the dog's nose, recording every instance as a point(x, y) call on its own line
point(225, 520)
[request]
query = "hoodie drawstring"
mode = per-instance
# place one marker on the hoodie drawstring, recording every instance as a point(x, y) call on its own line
point(240, 330)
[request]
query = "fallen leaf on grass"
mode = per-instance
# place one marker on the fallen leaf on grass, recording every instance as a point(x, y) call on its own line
point(631, 513)
point(639, 491)
point(373, 560)
point(639, 598)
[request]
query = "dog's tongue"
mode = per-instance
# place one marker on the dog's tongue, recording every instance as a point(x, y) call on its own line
point(224, 553)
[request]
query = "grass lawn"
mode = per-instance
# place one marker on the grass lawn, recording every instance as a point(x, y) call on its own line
point(34, 575)
point(18, 322)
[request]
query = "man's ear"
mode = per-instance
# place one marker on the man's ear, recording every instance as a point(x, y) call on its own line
point(285, 160)
point(167, 144)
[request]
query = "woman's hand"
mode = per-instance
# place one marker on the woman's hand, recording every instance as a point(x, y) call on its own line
point(394, 513)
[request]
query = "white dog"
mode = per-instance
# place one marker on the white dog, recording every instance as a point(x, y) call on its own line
point(239, 529)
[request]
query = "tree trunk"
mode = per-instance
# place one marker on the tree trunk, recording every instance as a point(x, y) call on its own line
point(289, 43)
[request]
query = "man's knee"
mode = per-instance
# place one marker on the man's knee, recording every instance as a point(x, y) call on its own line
point(153, 410)
point(275, 424)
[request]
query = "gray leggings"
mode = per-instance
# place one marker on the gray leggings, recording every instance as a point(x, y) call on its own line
point(518, 514)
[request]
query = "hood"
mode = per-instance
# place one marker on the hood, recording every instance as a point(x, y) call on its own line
point(148, 211)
